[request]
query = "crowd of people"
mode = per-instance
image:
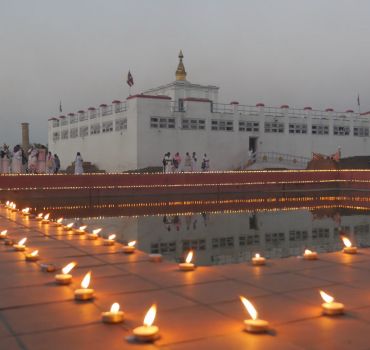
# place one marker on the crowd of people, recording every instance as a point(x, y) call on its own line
point(33, 161)
point(190, 163)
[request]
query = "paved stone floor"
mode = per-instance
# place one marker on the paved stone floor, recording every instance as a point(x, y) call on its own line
point(196, 310)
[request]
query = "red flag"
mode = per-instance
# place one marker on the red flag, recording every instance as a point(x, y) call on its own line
point(130, 79)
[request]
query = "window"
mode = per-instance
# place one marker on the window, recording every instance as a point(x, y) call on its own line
point(107, 127)
point(64, 121)
point(194, 244)
point(249, 126)
point(73, 133)
point(222, 125)
point(318, 233)
point(360, 131)
point(298, 235)
point(193, 124)
point(163, 247)
point(82, 116)
point(56, 136)
point(248, 240)
point(119, 107)
point(73, 119)
point(95, 129)
point(121, 124)
point(84, 131)
point(223, 242)
point(55, 123)
point(274, 127)
point(320, 129)
point(341, 130)
point(297, 128)
point(64, 134)
point(93, 113)
point(162, 123)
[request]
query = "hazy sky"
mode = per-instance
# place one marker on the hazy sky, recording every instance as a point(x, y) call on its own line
point(302, 53)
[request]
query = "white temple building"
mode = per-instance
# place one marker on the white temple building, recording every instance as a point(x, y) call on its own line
point(185, 117)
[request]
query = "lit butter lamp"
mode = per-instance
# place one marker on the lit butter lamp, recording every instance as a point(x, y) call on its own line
point(39, 217)
point(68, 227)
point(110, 240)
point(59, 222)
point(14, 207)
point(129, 248)
point(115, 315)
point(26, 212)
point(330, 307)
point(148, 332)
point(21, 245)
point(81, 230)
point(348, 248)
point(155, 258)
point(65, 277)
point(258, 260)
point(187, 265)
point(94, 235)
point(309, 255)
point(253, 325)
point(85, 293)
point(3, 234)
point(7, 203)
point(45, 219)
point(32, 257)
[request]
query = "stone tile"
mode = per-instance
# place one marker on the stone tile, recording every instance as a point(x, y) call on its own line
point(24, 279)
point(266, 306)
point(4, 328)
point(216, 292)
point(121, 258)
point(337, 333)
point(51, 316)
point(341, 258)
point(10, 343)
point(15, 297)
point(93, 337)
point(236, 341)
point(192, 323)
point(98, 271)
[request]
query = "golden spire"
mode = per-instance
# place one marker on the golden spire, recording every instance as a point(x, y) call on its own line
point(180, 72)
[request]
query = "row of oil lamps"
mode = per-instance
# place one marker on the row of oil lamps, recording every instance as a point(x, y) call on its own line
point(149, 332)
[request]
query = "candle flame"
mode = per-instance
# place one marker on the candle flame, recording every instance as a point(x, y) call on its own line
point(326, 297)
point(3, 233)
point(82, 228)
point(257, 255)
point(68, 268)
point(114, 308)
point(189, 257)
point(22, 241)
point(14, 206)
point(150, 316)
point(131, 244)
point(95, 232)
point(69, 225)
point(249, 307)
point(7, 203)
point(25, 210)
point(46, 217)
point(34, 253)
point(346, 242)
point(307, 251)
point(86, 280)
point(111, 237)
point(59, 221)
point(40, 215)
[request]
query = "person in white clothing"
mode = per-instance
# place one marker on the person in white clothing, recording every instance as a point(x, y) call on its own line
point(17, 160)
point(205, 163)
point(188, 163)
point(32, 160)
point(194, 162)
point(79, 164)
point(168, 163)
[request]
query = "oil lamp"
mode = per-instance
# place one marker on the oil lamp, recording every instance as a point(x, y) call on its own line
point(59, 223)
point(330, 307)
point(34, 256)
point(155, 258)
point(65, 277)
point(3, 234)
point(45, 219)
point(20, 246)
point(129, 248)
point(148, 332)
point(39, 217)
point(115, 315)
point(258, 260)
point(26, 212)
point(187, 265)
point(94, 235)
point(81, 230)
point(110, 240)
point(253, 325)
point(85, 293)
point(68, 227)
point(309, 255)
point(348, 248)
